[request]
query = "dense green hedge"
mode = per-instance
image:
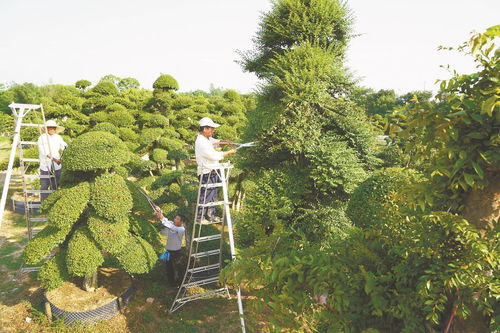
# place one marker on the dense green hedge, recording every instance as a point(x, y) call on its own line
point(138, 256)
point(147, 231)
point(49, 202)
point(373, 200)
point(95, 151)
point(105, 127)
point(166, 82)
point(84, 256)
point(110, 197)
point(110, 236)
point(73, 201)
point(43, 243)
point(54, 272)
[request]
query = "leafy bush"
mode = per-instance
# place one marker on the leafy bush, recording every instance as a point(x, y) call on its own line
point(110, 236)
point(53, 272)
point(121, 119)
point(150, 135)
point(165, 82)
point(43, 243)
point(138, 256)
point(105, 127)
point(373, 200)
point(160, 155)
point(84, 256)
point(157, 120)
point(95, 151)
point(110, 197)
point(127, 134)
point(105, 88)
point(71, 204)
point(146, 231)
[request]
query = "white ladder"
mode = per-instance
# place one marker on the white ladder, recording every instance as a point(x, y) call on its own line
point(20, 112)
point(205, 250)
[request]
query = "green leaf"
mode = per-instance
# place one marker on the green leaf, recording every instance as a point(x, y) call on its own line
point(469, 179)
point(478, 170)
point(489, 105)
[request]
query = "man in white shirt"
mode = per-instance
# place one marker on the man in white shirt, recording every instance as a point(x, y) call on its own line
point(49, 146)
point(206, 156)
point(175, 232)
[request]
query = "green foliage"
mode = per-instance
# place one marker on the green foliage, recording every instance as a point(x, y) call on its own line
point(95, 151)
point(110, 197)
point(150, 135)
point(157, 120)
point(105, 127)
point(105, 88)
point(127, 134)
point(146, 231)
point(43, 243)
point(160, 155)
point(121, 119)
point(53, 272)
point(128, 83)
point(109, 235)
point(84, 256)
point(83, 84)
point(374, 200)
point(165, 82)
point(70, 206)
point(138, 256)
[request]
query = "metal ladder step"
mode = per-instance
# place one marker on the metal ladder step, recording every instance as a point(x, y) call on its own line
point(29, 269)
point(205, 254)
point(31, 125)
point(28, 143)
point(30, 160)
point(201, 282)
point(212, 185)
point(32, 205)
point(203, 268)
point(38, 219)
point(201, 295)
point(212, 204)
point(207, 238)
point(38, 191)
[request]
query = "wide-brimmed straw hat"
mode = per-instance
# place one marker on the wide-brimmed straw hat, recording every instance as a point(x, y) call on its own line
point(51, 123)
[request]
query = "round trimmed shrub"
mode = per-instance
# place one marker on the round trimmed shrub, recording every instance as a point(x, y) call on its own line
point(84, 257)
point(127, 134)
point(110, 197)
point(95, 151)
point(73, 201)
point(372, 201)
point(150, 135)
point(160, 155)
point(105, 88)
point(146, 231)
point(166, 82)
point(121, 118)
point(110, 236)
point(157, 120)
point(53, 272)
point(105, 127)
point(138, 256)
point(43, 243)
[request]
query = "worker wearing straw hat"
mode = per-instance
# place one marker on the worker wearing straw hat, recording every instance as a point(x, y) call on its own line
point(206, 155)
point(49, 146)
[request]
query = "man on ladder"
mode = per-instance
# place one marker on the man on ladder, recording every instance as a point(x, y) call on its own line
point(206, 155)
point(49, 146)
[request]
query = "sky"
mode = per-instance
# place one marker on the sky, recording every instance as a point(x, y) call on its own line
point(197, 41)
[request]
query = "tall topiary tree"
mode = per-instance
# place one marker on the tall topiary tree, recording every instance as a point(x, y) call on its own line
point(315, 145)
point(95, 216)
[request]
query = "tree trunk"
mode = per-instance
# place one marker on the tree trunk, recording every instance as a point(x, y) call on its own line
point(482, 209)
point(90, 283)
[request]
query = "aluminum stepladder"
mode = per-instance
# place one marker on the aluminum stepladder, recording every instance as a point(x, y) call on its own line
point(21, 112)
point(205, 250)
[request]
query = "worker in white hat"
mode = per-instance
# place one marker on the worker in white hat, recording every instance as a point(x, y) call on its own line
point(206, 155)
point(50, 145)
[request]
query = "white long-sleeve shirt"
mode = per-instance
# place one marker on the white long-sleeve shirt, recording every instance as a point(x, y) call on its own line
point(56, 143)
point(174, 234)
point(206, 154)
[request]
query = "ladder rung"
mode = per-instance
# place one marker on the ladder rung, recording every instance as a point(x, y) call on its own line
point(203, 268)
point(201, 282)
point(212, 204)
point(207, 238)
point(211, 185)
point(201, 295)
point(207, 222)
point(38, 191)
point(30, 160)
point(34, 204)
point(28, 142)
point(35, 231)
point(31, 125)
point(38, 219)
point(45, 176)
point(29, 269)
point(205, 254)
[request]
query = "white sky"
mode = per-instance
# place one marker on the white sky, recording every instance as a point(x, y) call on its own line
point(61, 41)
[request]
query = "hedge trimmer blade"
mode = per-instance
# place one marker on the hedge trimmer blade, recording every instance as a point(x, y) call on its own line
point(245, 145)
point(151, 203)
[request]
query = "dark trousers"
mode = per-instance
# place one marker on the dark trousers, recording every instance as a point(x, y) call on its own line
point(175, 269)
point(46, 183)
point(208, 195)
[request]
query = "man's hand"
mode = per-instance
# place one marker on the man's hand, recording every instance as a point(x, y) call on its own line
point(226, 143)
point(158, 214)
point(57, 161)
point(230, 152)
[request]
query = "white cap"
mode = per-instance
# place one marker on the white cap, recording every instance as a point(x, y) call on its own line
point(205, 121)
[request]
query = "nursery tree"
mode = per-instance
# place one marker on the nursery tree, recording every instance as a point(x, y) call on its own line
point(94, 217)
